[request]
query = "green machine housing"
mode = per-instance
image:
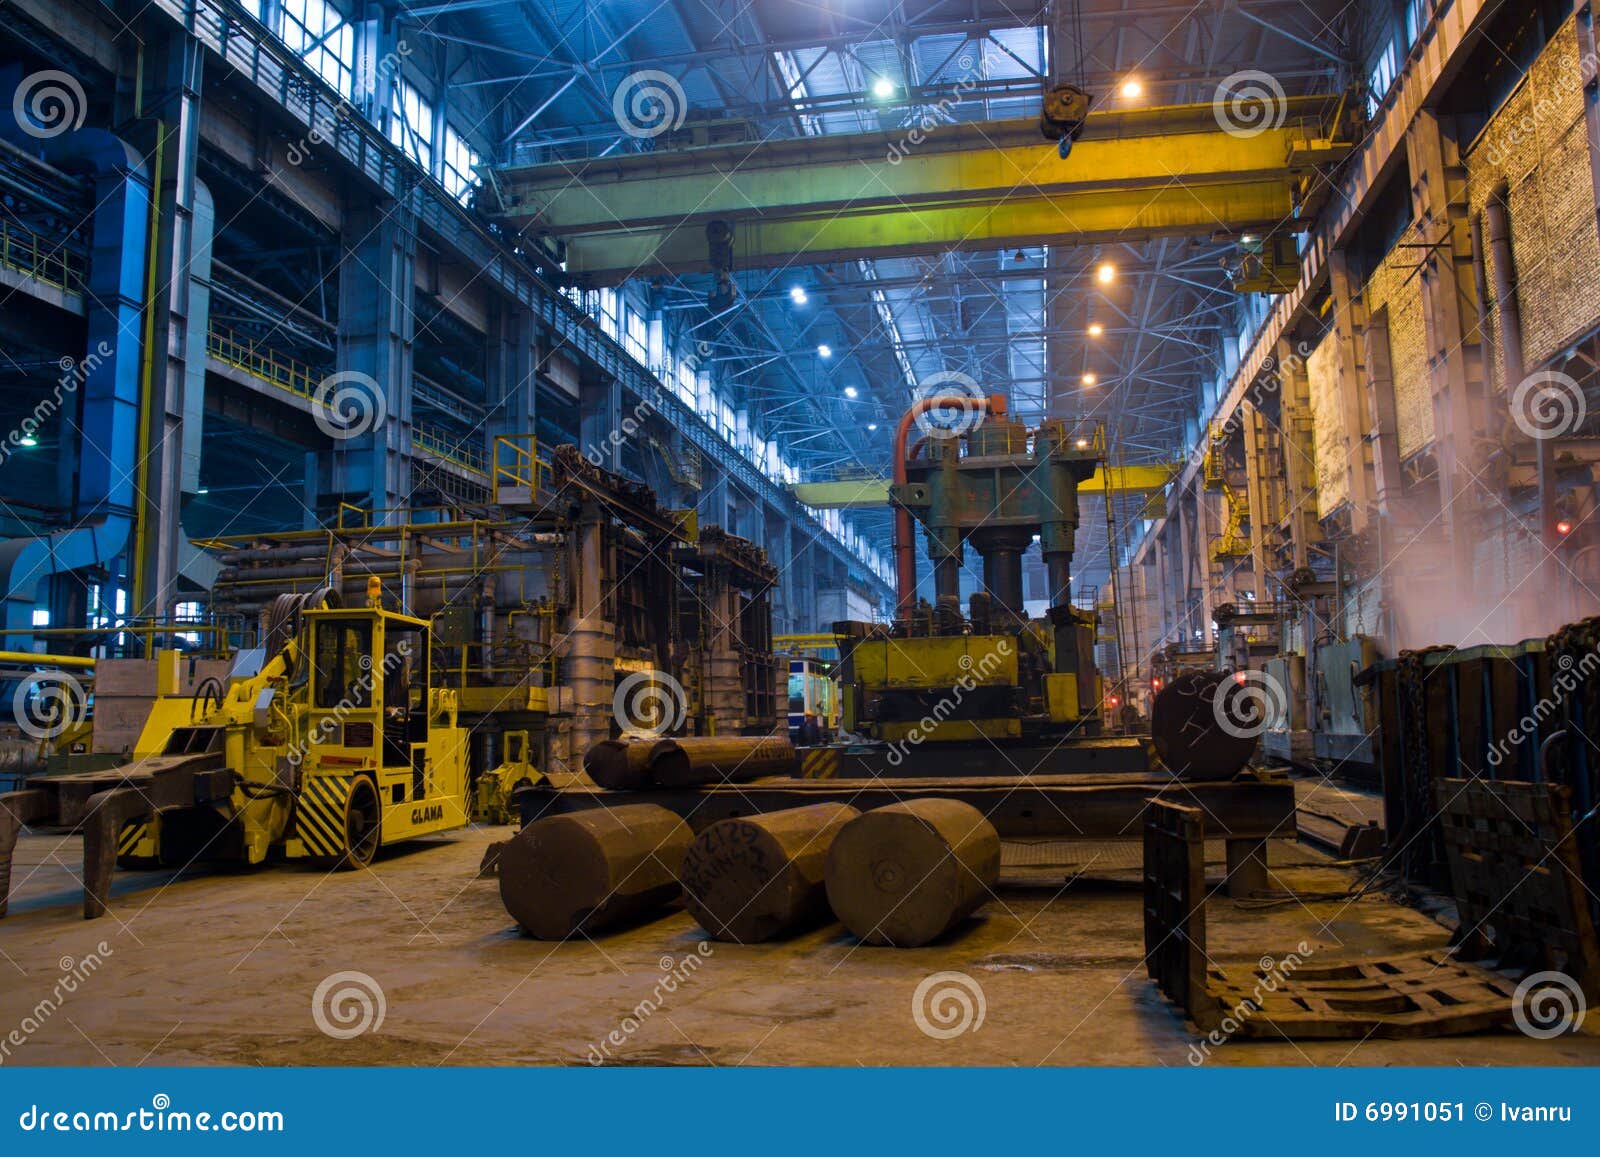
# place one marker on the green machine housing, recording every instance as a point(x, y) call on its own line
point(937, 675)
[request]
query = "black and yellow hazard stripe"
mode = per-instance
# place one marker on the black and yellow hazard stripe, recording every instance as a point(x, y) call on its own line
point(319, 814)
point(820, 763)
point(132, 832)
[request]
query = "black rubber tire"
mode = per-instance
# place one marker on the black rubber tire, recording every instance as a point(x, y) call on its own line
point(363, 818)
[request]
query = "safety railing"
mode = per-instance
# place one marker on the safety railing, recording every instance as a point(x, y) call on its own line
point(264, 362)
point(517, 463)
point(465, 454)
point(48, 261)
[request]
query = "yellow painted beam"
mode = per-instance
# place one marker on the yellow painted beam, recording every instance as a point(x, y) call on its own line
point(861, 494)
point(1132, 174)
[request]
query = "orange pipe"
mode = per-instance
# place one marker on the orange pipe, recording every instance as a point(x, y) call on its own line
point(905, 557)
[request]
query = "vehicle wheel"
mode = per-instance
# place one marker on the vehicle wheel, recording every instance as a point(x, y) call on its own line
point(363, 820)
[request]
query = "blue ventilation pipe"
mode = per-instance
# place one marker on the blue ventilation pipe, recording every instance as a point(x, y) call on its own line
point(110, 376)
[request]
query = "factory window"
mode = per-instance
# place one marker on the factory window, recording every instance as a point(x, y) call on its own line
point(608, 312)
point(411, 123)
point(1381, 77)
point(460, 159)
point(637, 334)
point(319, 34)
point(1417, 13)
point(41, 617)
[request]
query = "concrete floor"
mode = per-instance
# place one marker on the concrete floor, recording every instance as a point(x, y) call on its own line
point(221, 968)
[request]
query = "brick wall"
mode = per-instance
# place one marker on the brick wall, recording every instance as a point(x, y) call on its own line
point(1327, 426)
point(1395, 284)
point(1537, 144)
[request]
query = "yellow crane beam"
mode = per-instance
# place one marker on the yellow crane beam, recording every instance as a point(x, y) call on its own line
point(1132, 174)
point(865, 493)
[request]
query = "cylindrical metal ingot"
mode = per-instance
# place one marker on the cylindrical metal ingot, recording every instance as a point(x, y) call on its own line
point(620, 764)
point(757, 878)
point(583, 872)
point(718, 759)
point(905, 874)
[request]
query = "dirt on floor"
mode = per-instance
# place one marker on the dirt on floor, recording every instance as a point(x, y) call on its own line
point(281, 965)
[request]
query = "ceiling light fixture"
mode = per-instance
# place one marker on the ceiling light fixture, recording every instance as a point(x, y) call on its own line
point(1089, 379)
point(797, 295)
point(850, 392)
point(824, 351)
point(1106, 274)
point(883, 88)
point(1131, 88)
point(1096, 329)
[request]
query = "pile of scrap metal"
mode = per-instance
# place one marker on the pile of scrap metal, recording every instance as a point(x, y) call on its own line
point(550, 606)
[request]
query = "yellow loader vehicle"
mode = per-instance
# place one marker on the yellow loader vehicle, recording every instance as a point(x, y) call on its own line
point(334, 747)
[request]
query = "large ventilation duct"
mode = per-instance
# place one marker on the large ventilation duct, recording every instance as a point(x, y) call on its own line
point(110, 375)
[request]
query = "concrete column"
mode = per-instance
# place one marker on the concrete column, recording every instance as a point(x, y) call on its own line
point(1449, 294)
point(167, 471)
point(1350, 321)
point(513, 359)
point(371, 467)
point(1299, 454)
point(1257, 489)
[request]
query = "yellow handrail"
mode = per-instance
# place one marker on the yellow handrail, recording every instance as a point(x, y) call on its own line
point(25, 251)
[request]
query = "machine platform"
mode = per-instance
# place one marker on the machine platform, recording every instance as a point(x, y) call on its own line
point(1074, 757)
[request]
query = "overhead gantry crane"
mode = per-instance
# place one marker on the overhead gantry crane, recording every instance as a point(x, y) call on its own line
point(1176, 170)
